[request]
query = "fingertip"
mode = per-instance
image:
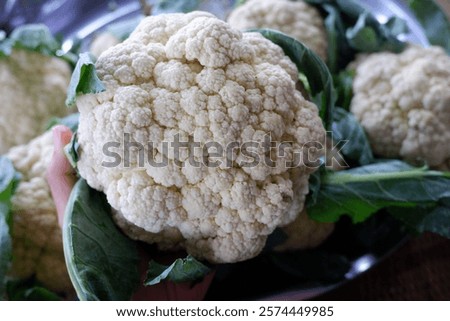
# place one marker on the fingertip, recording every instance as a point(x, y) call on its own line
point(62, 136)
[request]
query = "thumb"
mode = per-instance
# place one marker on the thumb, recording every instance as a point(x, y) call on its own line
point(60, 174)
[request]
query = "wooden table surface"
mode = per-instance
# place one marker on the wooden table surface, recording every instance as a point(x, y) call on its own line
point(445, 4)
point(420, 270)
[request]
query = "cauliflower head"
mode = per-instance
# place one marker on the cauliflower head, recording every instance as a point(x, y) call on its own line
point(37, 239)
point(294, 18)
point(194, 77)
point(403, 103)
point(33, 90)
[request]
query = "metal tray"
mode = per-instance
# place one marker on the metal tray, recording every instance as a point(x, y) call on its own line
point(350, 251)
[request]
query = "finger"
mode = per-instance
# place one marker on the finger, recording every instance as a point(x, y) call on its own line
point(60, 174)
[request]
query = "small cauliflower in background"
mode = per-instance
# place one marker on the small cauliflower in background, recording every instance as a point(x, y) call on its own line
point(103, 42)
point(37, 239)
point(403, 103)
point(294, 18)
point(305, 233)
point(33, 90)
point(195, 76)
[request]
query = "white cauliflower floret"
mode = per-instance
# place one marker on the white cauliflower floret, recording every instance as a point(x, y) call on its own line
point(294, 18)
point(103, 42)
point(37, 240)
point(194, 76)
point(33, 90)
point(305, 233)
point(403, 103)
